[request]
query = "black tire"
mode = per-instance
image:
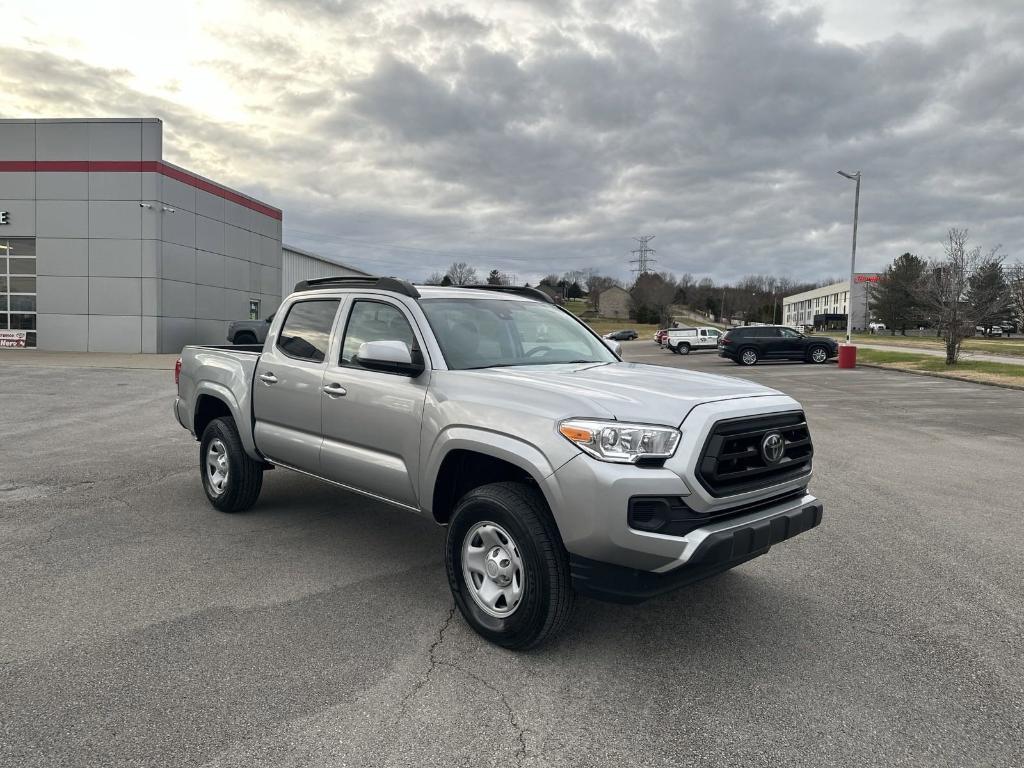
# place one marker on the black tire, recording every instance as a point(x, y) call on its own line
point(683, 348)
point(747, 356)
point(547, 597)
point(244, 478)
point(817, 351)
point(245, 337)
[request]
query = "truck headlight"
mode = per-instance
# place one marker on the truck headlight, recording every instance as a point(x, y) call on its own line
point(620, 442)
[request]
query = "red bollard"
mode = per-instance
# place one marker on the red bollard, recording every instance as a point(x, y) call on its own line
point(847, 356)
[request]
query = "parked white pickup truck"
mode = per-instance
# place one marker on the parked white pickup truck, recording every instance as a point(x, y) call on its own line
point(682, 341)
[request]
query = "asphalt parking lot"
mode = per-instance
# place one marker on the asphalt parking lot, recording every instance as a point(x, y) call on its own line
point(142, 628)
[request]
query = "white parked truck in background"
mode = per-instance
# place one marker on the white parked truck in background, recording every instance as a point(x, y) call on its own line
point(682, 341)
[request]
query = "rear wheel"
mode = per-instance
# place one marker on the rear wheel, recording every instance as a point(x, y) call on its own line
point(817, 355)
point(232, 480)
point(507, 567)
point(245, 337)
point(748, 356)
point(683, 348)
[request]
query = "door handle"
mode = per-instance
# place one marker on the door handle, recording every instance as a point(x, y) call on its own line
point(335, 390)
point(268, 378)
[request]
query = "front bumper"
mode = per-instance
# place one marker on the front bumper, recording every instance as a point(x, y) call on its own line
point(707, 551)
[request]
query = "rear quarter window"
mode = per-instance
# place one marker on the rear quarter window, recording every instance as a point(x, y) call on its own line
point(306, 333)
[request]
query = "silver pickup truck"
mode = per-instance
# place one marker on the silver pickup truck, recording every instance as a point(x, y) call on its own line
point(557, 468)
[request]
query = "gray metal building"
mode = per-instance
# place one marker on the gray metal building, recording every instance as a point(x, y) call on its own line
point(104, 246)
point(297, 264)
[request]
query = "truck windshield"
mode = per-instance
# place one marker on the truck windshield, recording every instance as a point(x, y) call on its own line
point(487, 333)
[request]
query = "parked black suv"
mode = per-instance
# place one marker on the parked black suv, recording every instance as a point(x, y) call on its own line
point(749, 344)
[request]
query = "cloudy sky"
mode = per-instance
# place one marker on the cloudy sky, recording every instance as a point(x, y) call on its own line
point(540, 136)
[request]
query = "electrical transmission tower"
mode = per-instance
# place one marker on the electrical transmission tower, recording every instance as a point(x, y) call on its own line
point(643, 256)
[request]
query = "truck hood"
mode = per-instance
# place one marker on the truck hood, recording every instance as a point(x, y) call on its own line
point(650, 394)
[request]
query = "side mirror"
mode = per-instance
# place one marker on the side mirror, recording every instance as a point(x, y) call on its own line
point(270, 318)
point(614, 346)
point(391, 356)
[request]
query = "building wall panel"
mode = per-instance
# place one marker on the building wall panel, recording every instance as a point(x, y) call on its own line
point(62, 141)
point(115, 219)
point(17, 185)
point(115, 258)
point(115, 186)
point(62, 295)
point(115, 141)
point(110, 333)
point(18, 140)
point(60, 185)
point(115, 295)
point(62, 256)
point(64, 333)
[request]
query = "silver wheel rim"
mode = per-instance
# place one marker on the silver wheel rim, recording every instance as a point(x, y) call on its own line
point(493, 569)
point(749, 357)
point(818, 355)
point(217, 466)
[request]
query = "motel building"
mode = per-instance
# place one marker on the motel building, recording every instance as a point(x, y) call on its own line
point(105, 246)
point(826, 308)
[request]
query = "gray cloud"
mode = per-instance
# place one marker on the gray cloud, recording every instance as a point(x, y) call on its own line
point(547, 136)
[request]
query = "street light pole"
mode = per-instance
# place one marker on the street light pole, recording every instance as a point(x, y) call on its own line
point(853, 253)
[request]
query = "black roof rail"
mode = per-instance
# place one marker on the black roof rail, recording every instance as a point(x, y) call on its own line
point(530, 293)
point(392, 284)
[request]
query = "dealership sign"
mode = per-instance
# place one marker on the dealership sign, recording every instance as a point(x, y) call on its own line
point(5, 217)
point(867, 278)
point(12, 339)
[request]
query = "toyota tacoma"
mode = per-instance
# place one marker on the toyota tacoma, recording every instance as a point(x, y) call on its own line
point(557, 468)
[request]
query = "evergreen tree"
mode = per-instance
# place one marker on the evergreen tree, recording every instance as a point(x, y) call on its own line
point(894, 298)
point(988, 293)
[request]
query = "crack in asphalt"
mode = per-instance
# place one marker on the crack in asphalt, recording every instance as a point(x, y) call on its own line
point(522, 750)
point(432, 658)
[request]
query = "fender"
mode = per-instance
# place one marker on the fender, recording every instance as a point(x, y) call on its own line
point(498, 445)
point(241, 413)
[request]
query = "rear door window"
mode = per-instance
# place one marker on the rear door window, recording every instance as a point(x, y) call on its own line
point(306, 333)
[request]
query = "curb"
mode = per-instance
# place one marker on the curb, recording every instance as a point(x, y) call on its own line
point(933, 375)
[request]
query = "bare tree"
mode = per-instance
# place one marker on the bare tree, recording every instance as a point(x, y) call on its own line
point(436, 278)
point(945, 286)
point(460, 273)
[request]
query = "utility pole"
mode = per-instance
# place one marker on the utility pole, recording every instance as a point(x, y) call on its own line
point(643, 256)
point(853, 252)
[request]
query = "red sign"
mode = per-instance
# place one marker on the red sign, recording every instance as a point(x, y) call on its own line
point(12, 339)
point(867, 278)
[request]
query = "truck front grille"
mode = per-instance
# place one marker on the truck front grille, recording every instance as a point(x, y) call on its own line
point(733, 462)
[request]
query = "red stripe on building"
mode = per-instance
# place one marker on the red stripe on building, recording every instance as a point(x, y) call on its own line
point(132, 166)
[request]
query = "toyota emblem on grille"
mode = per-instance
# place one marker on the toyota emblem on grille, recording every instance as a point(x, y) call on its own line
point(772, 447)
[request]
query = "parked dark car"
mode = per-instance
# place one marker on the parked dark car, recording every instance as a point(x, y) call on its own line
point(750, 344)
point(627, 335)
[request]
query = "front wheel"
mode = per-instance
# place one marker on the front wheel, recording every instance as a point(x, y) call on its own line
point(507, 567)
point(748, 357)
point(231, 478)
point(817, 355)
